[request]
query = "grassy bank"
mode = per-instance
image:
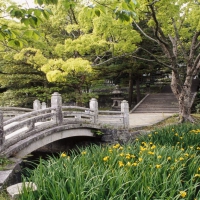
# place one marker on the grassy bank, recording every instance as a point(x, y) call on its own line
point(165, 164)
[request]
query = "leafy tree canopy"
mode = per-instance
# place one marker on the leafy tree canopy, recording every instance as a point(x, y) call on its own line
point(58, 70)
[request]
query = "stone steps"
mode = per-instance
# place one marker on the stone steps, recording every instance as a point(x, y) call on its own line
point(158, 103)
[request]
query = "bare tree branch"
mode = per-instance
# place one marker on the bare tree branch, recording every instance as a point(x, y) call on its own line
point(152, 3)
point(139, 58)
point(136, 57)
point(158, 29)
point(174, 44)
point(9, 47)
point(110, 59)
point(158, 61)
point(103, 4)
point(197, 46)
point(196, 61)
point(73, 15)
point(193, 46)
point(27, 3)
point(166, 47)
point(178, 39)
point(197, 69)
point(144, 33)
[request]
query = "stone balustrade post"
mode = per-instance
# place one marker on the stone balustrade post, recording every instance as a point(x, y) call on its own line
point(2, 136)
point(36, 105)
point(44, 105)
point(31, 124)
point(125, 111)
point(56, 102)
point(94, 107)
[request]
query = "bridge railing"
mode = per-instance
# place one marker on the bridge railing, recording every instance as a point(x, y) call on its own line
point(27, 115)
point(111, 118)
point(10, 112)
point(79, 114)
point(27, 121)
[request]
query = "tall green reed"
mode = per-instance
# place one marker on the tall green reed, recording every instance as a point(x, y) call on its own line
point(160, 165)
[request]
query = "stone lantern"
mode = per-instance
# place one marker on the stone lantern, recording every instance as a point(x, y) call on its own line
point(117, 98)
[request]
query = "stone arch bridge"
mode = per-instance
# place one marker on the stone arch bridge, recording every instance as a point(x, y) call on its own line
point(24, 133)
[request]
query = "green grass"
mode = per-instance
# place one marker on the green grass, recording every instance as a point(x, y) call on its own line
point(4, 162)
point(169, 121)
point(4, 196)
point(164, 165)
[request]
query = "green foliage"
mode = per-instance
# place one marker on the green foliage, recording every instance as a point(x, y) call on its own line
point(9, 33)
point(29, 16)
point(153, 166)
point(4, 162)
point(80, 33)
point(21, 73)
point(41, 2)
point(25, 96)
point(197, 107)
point(123, 10)
point(31, 56)
point(22, 81)
point(107, 35)
point(97, 132)
point(80, 99)
point(57, 70)
point(4, 196)
point(183, 136)
point(57, 62)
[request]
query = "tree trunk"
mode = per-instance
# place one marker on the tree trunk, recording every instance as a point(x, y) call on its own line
point(182, 92)
point(138, 90)
point(130, 92)
point(185, 106)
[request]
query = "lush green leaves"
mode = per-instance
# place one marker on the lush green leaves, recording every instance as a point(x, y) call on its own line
point(58, 70)
point(31, 16)
point(41, 2)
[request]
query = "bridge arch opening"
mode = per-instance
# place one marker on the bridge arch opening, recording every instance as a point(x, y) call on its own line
point(68, 144)
point(53, 137)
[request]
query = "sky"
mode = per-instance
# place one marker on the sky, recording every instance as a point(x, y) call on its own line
point(26, 3)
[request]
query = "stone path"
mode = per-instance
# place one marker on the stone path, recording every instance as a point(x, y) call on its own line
point(146, 119)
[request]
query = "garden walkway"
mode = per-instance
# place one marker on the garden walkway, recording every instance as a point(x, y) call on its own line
point(137, 120)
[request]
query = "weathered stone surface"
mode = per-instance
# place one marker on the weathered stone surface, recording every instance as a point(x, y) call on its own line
point(4, 175)
point(36, 105)
point(121, 136)
point(15, 190)
point(11, 174)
